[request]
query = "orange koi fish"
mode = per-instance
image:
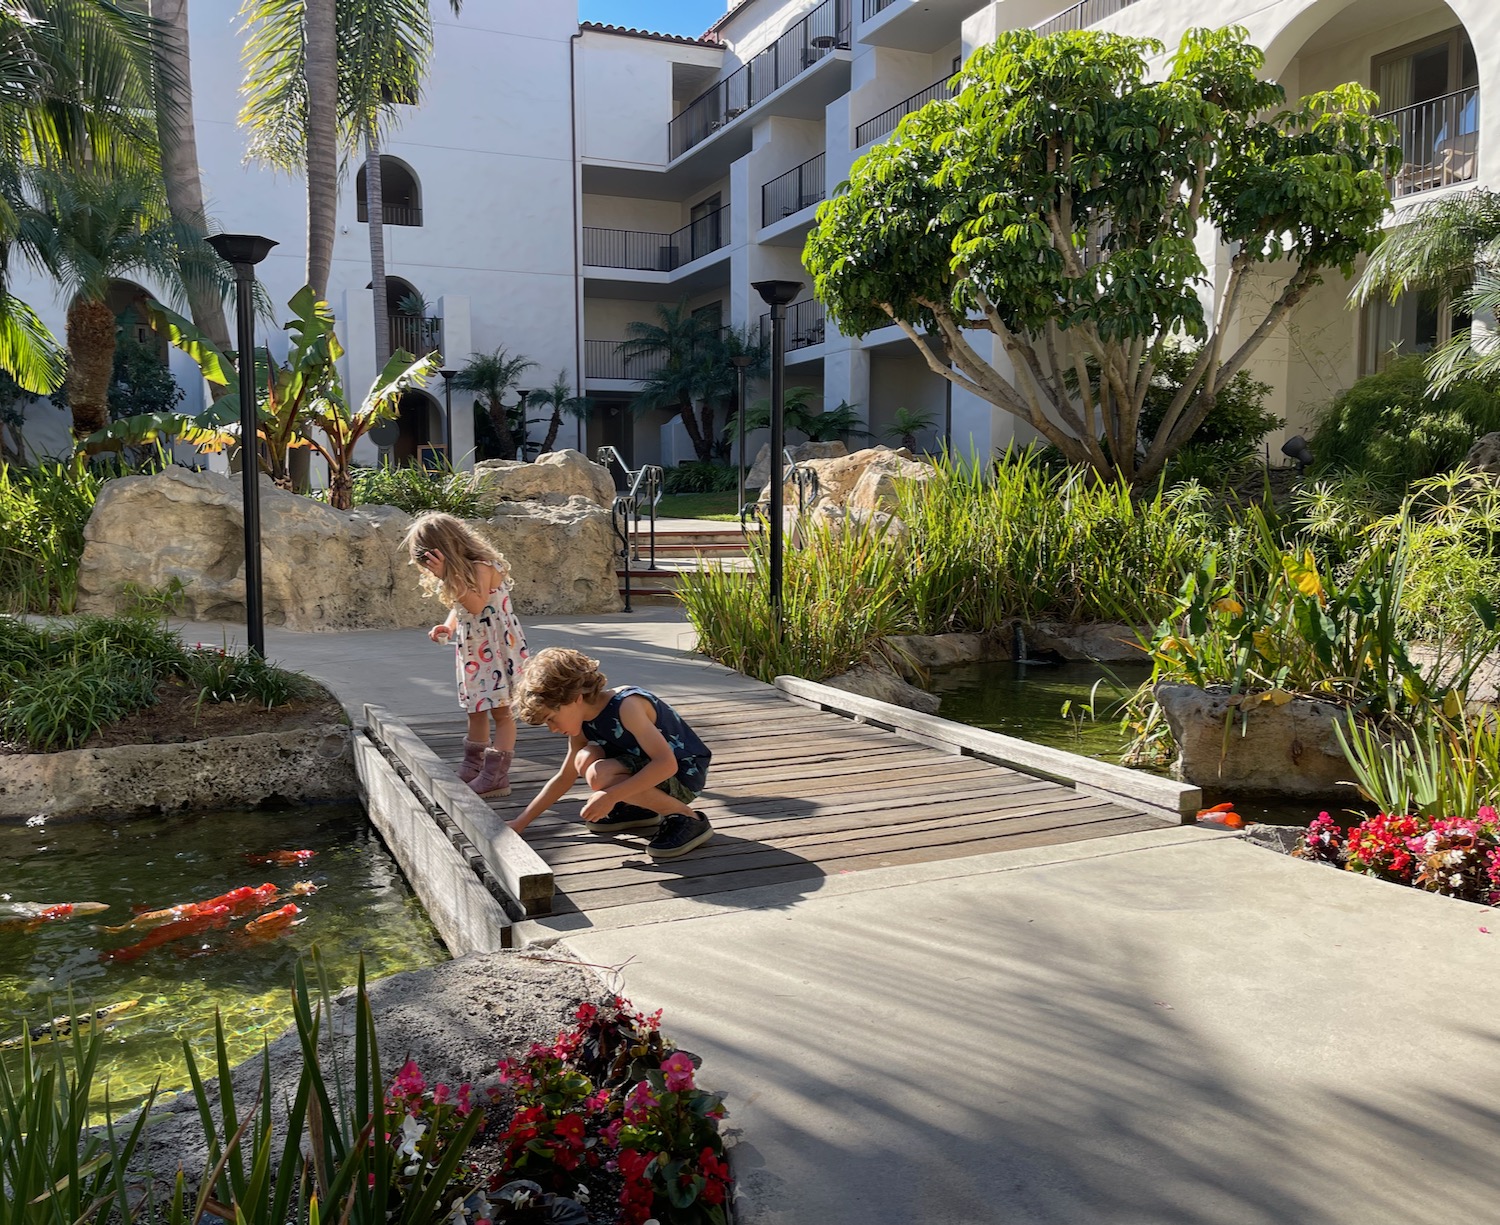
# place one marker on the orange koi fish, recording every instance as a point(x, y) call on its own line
point(273, 923)
point(215, 916)
point(1221, 814)
point(31, 915)
point(281, 859)
point(235, 902)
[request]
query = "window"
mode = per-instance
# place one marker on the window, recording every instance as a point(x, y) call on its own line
point(400, 193)
point(1416, 322)
point(1420, 72)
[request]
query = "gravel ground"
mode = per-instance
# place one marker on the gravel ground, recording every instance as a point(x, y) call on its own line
point(456, 1020)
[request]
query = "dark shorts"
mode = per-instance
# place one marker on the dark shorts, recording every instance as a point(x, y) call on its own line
point(674, 786)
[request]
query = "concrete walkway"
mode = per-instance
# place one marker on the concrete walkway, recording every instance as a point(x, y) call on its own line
point(1160, 1028)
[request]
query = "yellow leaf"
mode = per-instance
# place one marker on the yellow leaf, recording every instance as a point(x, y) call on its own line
point(1229, 606)
point(1278, 697)
point(1304, 575)
point(1453, 703)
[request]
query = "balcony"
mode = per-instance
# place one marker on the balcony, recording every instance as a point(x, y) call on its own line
point(806, 324)
point(602, 359)
point(1082, 15)
point(391, 214)
point(647, 252)
point(816, 36)
point(874, 6)
point(797, 189)
point(883, 124)
point(1439, 142)
point(419, 335)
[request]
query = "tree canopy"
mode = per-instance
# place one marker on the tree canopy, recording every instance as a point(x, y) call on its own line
point(1062, 200)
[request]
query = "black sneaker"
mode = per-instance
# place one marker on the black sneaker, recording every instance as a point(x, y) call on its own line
point(625, 816)
point(679, 835)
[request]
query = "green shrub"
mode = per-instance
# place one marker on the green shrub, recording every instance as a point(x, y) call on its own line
point(63, 704)
point(1228, 442)
point(699, 476)
point(1387, 427)
point(43, 510)
point(418, 490)
point(841, 597)
point(225, 676)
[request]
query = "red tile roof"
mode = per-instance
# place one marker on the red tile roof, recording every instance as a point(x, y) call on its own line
point(599, 27)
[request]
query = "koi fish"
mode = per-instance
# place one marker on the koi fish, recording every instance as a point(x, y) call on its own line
point(32, 914)
point(236, 901)
point(273, 923)
point(281, 859)
point(61, 1028)
point(1221, 814)
point(168, 932)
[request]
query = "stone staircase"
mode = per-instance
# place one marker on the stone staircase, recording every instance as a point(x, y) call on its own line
point(682, 547)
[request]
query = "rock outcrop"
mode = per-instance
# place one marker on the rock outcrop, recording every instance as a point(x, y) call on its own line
point(860, 488)
point(554, 476)
point(1241, 744)
point(322, 569)
point(885, 686)
point(1484, 455)
point(759, 475)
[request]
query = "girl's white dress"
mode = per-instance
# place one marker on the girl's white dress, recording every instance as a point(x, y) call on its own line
point(489, 649)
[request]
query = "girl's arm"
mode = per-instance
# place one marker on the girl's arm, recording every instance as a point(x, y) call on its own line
point(474, 601)
point(557, 786)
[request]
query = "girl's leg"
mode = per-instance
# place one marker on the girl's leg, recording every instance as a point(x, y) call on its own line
point(479, 727)
point(505, 729)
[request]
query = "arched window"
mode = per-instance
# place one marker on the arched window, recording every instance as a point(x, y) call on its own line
point(400, 193)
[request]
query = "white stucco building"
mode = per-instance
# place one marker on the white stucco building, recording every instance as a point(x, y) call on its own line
point(567, 179)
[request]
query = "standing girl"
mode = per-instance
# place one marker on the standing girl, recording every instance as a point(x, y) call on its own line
point(473, 579)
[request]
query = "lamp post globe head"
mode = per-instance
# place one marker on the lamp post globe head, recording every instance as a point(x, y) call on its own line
point(448, 375)
point(777, 293)
point(740, 360)
point(241, 250)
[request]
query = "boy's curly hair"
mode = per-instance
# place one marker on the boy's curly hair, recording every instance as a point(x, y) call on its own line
point(554, 677)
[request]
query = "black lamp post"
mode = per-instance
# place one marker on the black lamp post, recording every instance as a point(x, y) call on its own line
point(740, 361)
point(244, 251)
point(448, 411)
point(777, 295)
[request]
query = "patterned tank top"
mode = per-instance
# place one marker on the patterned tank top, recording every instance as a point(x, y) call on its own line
point(609, 732)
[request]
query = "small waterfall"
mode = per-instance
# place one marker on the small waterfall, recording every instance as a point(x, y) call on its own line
point(1018, 643)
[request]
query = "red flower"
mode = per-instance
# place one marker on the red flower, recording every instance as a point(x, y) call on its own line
point(679, 1070)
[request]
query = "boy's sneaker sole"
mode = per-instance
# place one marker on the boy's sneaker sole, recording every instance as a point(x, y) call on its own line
point(625, 816)
point(679, 835)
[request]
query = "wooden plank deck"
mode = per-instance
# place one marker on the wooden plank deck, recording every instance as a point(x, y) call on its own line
point(795, 794)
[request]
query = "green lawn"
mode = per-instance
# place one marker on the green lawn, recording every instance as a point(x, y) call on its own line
point(723, 506)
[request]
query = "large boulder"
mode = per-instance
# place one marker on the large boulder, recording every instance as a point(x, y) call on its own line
point(884, 685)
point(1244, 744)
point(861, 485)
point(554, 476)
point(759, 475)
point(322, 569)
point(1484, 455)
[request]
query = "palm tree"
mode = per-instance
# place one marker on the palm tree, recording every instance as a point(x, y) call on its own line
point(373, 55)
point(87, 229)
point(176, 135)
point(75, 83)
point(560, 398)
point(1452, 246)
point(907, 423)
point(688, 379)
point(493, 376)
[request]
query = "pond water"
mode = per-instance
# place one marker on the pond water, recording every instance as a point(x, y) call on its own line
point(1026, 701)
point(362, 906)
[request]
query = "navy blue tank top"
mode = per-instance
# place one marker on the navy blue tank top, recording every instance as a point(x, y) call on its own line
point(609, 732)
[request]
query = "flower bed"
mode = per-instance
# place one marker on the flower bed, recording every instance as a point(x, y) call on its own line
point(1453, 856)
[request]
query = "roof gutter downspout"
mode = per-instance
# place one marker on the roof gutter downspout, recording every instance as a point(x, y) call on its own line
point(577, 170)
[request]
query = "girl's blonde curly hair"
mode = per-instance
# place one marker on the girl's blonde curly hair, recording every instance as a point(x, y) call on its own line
point(463, 549)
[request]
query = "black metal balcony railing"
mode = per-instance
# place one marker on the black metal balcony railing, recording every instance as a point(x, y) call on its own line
point(806, 324)
point(793, 191)
point(393, 214)
point(1082, 15)
point(602, 359)
point(885, 123)
point(649, 252)
point(874, 6)
point(1439, 142)
point(817, 35)
point(417, 334)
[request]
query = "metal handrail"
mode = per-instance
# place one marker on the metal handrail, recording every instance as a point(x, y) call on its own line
point(804, 477)
point(651, 251)
point(1081, 15)
point(1439, 141)
point(645, 489)
point(885, 123)
point(800, 187)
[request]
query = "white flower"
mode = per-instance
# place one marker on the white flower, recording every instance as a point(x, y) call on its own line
point(412, 1131)
point(581, 1194)
point(1455, 880)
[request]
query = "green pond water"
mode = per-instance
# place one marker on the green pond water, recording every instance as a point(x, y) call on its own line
point(1026, 701)
point(362, 906)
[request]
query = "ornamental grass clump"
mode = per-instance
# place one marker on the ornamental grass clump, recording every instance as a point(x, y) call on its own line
point(43, 510)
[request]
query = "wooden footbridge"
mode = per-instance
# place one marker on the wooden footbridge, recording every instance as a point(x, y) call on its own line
point(807, 782)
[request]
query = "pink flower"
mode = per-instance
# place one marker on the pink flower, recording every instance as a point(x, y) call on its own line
point(440, 1093)
point(640, 1101)
point(465, 1098)
point(679, 1070)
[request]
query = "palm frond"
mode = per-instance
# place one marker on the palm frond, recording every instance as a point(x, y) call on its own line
point(28, 351)
point(1434, 245)
point(275, 86)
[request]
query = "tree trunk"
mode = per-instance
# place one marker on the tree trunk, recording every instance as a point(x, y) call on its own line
point(91, 359)
point(179, 160)
point(552, 427)
point(500, 419)
point(375, 199)
point(320, 29)
point(340, 489)
point(701, 445)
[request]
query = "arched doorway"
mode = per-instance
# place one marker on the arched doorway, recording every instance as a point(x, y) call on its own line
point(421, 440)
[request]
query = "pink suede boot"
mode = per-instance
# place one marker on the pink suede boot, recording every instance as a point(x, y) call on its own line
point(494, 777)
point(473, 759)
